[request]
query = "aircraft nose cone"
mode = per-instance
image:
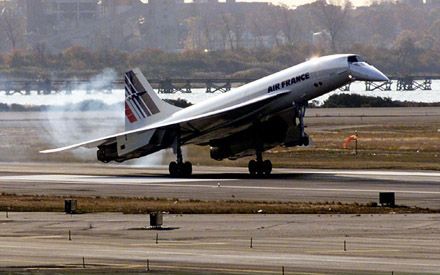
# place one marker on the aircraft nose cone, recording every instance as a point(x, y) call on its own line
point(376, 75)
point(366, 72)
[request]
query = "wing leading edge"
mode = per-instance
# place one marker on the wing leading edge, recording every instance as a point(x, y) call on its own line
point(168, 122)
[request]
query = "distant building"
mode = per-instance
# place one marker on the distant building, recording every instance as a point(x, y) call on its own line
point(115, 7)
point(133, 24)
point(411, 2)
point(205, 1)
point(433, 2)
point(46, 16)
point(161, 27)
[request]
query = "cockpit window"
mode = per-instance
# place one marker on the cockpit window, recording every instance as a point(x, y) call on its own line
point(355, 59)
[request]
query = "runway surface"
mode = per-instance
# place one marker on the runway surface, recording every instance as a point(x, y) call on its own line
point(413, 188)
point(303, 244)
point(311, 244)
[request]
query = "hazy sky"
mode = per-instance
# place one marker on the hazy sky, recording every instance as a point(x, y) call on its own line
point(300, 2)
point(292, 2)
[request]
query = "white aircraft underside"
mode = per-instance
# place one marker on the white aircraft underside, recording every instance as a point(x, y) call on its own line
point(245, 121)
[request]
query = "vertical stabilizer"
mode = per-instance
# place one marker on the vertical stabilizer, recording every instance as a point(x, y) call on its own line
point(142, 105)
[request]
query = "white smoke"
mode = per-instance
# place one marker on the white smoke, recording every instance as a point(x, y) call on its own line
point(81, 118)
point(153, 160)
point(75, 122)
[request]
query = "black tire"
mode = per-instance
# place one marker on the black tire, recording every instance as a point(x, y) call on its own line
point(260, 168)
point(174, 169)
point(305, 141)
point(187, 169)
point(267, 167)
point(252, 166)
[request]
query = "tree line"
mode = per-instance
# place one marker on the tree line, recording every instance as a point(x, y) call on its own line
point(399, 39)
point(404, 59)
point(356, 101)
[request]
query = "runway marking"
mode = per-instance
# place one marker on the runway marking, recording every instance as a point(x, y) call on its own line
point(364, 173)
point(243, 270)
point(254, 258)
point(339, 251)
point(173, 183)
point(102, 179)
point(41, 237)
point(179, 243)
point(240, 170)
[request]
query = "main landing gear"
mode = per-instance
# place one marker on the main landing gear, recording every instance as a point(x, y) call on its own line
point(300, 112)
point(180, 169)
point(260, 167)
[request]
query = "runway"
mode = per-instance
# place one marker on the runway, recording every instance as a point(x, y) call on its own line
point(412, 188)
point(220, 244)
point(214, 244)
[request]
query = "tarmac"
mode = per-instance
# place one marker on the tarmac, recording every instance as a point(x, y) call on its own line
point(216, 244)
point(412, 188)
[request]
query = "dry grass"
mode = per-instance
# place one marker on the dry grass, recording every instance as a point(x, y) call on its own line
point(415, 147)
point(28, 203)
point(394, 138)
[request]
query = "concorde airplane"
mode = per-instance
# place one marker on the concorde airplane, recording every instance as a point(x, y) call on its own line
point(246, 121)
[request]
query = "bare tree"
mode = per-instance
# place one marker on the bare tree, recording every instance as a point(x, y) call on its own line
point(333, 17)
point(226, 21)
point(289, 25)
point(257, 32)
point(406, 50)
point(192, 41)
point(11, 25)
point(40, 53)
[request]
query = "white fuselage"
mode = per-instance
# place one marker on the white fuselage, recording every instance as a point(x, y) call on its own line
point(252, 118)
point(303, 82)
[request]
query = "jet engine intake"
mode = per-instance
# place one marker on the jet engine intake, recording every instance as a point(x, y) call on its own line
point(220, 153)
point(108, 153)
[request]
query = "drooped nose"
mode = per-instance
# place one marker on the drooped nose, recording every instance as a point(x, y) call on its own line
point(365, 72)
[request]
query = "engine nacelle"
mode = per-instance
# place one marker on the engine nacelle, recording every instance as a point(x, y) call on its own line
point(220, 153)
point(108, 153)
point(264, 136)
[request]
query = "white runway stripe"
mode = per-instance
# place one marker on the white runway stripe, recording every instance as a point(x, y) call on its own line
point(183, 183)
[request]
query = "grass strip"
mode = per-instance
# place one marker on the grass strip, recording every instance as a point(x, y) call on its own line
point(142, 205)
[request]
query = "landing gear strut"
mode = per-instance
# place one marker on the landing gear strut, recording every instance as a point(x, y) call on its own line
point(260, 167)
point(180, 169)
point(300, 112)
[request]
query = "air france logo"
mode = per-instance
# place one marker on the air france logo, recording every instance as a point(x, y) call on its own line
point(288, 82)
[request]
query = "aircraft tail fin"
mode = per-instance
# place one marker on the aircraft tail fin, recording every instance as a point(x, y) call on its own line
point(142, 105)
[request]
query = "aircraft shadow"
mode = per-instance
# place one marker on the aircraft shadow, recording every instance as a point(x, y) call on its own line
point(237, 176)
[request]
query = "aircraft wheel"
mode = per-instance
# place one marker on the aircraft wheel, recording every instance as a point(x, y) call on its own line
point(260, 168)
point(267, 167)
point(305, 140)
point(174, 169)
point(252, 166)
point(187, 169)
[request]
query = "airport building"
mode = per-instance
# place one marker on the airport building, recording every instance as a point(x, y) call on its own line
point(43, 15)
point(419, 2)
point(412, 2)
